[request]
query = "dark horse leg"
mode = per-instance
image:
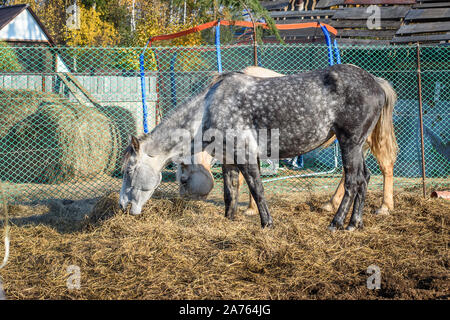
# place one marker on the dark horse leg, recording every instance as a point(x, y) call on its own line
point(355, 184)
point(230, 189)
point(252, 176)
point(356, 220)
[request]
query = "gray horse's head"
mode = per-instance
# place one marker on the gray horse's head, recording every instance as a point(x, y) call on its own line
point(141, 176)
point(196, 182)
point(195, 177)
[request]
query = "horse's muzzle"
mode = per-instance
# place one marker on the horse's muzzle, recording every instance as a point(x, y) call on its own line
point(135, 210)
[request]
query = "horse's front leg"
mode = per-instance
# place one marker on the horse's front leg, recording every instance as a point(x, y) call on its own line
point(351, 160)
point(252, 177)
point(230, 189)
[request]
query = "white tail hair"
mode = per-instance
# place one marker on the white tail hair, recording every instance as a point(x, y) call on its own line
point(383, 138)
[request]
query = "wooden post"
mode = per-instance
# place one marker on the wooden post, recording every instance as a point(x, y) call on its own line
point(422, 142)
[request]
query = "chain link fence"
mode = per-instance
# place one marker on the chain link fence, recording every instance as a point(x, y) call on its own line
point(66, 113)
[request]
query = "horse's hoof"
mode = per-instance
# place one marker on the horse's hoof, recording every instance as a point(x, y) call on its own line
point(268, 225)
point(230, 217)
point(382, 211)
point(250, 212)
point(334, 226)
point(352, 227)
point(328, 207)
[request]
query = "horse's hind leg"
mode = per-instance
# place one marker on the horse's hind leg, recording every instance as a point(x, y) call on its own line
point(252, 209)
point(388, 188)
point(352, 160)
point(356, 221)
point(386, 164)
point(252, 177)
point(230, 189)
point(333, 204)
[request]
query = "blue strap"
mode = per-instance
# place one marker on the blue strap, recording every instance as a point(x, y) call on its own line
point(144, 105)
point(173, 85)
point(328, 41)
point(217, 41)
point(336, 52)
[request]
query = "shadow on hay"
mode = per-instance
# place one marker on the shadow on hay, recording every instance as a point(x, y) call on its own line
point(70, 216)
point(65, 216)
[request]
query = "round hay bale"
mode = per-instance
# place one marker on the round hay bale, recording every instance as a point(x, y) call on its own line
point(59, 142)
point(17, 104)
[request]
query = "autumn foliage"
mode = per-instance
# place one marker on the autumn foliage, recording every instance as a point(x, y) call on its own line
point(103, 23)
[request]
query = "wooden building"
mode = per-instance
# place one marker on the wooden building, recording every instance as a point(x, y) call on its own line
point(367, 21)
point(20, 25)
point(21, 28)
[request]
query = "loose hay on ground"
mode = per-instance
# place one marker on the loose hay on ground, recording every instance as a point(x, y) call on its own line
point(188, 250)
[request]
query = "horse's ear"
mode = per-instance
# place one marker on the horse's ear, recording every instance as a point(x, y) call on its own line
point(135, 144)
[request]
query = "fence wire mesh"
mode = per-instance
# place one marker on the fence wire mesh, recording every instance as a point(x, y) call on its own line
point(66, 113)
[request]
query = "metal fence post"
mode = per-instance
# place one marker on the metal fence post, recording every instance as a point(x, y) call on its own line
point(422, 143)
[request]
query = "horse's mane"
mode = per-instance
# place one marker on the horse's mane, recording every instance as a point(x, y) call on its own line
point(127, 152)
point(126, 157)
point(219, 77)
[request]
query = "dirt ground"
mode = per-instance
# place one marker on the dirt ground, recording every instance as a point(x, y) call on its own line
point(187, 250)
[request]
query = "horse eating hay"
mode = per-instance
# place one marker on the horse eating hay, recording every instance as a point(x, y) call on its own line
point(196, 180)
point(307, 109)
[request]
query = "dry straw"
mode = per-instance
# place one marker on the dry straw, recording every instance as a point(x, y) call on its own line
point(189, 250)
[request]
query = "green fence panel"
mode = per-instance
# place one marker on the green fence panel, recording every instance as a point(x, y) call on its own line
point(66, 114)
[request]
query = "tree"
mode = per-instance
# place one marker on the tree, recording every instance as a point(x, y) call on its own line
point(52, 14)
point(235, 8)
point(93, 30)
point(157, 17)
point(118, 13)
point(9, 60)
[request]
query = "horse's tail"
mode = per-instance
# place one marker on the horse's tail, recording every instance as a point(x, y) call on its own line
point(383, 141)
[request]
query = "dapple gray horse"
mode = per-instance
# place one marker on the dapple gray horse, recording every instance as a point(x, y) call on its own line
point(196, 181)
point(307, 109)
